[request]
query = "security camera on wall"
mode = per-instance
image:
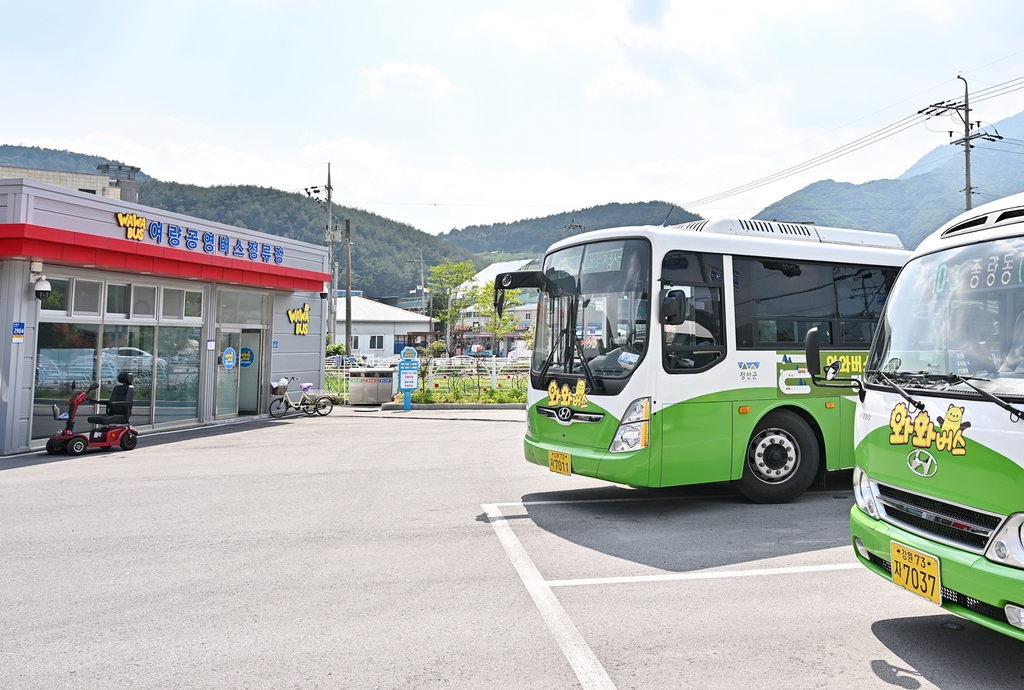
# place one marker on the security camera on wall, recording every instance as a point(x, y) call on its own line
point(42, 288)
point(323, 295)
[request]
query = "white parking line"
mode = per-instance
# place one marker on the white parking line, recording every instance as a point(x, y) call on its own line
point(588, 669)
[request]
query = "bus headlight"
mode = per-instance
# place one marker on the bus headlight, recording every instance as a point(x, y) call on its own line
point(862, 492)
point(1005, 546)
point(634, 431)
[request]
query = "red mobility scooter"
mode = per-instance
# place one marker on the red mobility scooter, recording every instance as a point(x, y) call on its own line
point(112, 427)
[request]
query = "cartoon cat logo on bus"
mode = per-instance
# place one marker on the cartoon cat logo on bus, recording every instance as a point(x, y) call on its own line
point(923, 433)
point(566, 396)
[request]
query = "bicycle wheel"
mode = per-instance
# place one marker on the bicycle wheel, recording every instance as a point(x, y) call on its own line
point(324, 405)
point(308, 406)
point(278, 407)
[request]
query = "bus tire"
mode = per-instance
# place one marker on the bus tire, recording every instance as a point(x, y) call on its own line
point(782, 459)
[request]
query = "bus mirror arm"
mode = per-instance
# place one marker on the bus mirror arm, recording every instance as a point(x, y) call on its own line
point(499, 302)
point(812, 352)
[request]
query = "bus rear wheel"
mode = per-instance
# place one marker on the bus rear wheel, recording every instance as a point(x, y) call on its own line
point(782, 459)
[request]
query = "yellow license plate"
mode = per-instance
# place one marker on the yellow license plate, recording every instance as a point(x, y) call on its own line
point(560, 462)
point(916, 572)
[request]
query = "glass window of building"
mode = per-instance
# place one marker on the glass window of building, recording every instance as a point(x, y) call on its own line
point(143, 301)
point(65, 360)
point(174, 304)
point(58, 300)
point(87, 297)
point(193, 305)
point(117, 300)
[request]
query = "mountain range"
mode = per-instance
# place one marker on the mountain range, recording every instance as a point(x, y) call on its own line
point(925, 196)
point(385, 253)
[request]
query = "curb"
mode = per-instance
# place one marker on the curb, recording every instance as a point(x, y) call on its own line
point(455, 406)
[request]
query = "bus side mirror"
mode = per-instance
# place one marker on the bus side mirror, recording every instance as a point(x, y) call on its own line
point(673, 307)
point(812, 352)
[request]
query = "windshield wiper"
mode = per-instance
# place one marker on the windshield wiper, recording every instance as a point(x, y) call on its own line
point(1015, 414)
point(573, 345)
point(918, 405)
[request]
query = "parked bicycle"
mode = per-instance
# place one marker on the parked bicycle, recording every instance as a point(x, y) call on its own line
point(307, 403)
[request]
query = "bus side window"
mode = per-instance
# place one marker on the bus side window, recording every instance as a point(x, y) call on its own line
point(698, 342)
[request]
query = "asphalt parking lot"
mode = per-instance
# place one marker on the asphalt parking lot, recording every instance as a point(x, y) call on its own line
point(412, 550)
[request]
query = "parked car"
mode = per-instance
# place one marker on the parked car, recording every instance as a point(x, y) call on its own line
point(132, 359)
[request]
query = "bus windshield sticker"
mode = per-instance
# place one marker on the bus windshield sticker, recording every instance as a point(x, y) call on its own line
point(947, 435)
point(566, 397)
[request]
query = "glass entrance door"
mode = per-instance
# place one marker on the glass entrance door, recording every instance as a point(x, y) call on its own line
point(229, 344)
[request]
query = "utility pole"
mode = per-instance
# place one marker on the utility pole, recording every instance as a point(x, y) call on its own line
point(422, 286)
point(348, 289)
point(330, 237)
point(332, 299)
point(963, 110)
point(423, 292)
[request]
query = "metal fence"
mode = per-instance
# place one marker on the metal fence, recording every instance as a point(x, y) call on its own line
point(463, 375)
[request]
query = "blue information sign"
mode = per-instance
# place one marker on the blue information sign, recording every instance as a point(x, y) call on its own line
point(246, 357)
point(408, 378)
point(228, 358)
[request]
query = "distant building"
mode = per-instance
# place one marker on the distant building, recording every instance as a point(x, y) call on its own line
point(473, 330)
point(98, 184)
point(380, 330)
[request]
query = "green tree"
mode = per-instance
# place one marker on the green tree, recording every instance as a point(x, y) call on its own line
point(449, 282)
point(498, 326)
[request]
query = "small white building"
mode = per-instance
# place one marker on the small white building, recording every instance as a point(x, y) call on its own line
point(379, 330)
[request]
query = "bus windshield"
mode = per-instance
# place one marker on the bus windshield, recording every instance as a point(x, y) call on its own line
point(594, 310)
point(957, 314)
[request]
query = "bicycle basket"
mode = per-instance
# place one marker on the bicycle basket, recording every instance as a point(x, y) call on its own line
point(279, 390)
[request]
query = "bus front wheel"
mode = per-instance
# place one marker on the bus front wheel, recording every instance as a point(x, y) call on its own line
point(782, 459)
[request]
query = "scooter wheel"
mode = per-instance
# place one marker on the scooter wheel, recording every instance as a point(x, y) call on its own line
point(52, 447)
point(77, 446)
point(129, 440)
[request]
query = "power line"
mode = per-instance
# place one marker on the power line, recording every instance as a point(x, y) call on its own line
point(856, 145)
point(867, 140)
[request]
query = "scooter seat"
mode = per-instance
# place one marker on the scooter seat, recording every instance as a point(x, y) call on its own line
point(108, 419)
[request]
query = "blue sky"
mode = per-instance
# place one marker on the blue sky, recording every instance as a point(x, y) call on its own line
point(451, 113)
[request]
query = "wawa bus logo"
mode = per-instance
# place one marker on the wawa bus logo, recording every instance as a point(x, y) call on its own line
point(300, 317)
point(134, 226)
point(947, 435)
point(566, 397)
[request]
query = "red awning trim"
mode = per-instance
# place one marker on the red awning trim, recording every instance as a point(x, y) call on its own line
point(67, 248)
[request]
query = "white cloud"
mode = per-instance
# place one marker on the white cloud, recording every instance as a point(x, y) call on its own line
point(404, 79)
point(623, 80)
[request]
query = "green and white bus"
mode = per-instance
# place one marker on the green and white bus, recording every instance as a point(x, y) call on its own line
point(939, 476)
point(674, 355)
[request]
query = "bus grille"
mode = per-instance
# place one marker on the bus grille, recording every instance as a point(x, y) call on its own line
point(952, 596)
point(937, 519)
